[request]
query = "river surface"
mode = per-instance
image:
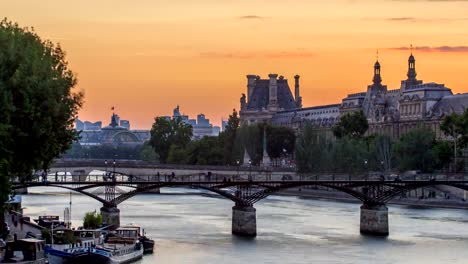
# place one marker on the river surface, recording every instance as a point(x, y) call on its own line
point(195, 227)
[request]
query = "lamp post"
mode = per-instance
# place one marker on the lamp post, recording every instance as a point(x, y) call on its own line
point(365, 168)
point(105, 175)
point(250, 170)
point(383, 169)
point(113, 176)
point(238, 164)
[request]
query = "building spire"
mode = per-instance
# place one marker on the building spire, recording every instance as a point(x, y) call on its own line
point(377, 80)
point(411, 67)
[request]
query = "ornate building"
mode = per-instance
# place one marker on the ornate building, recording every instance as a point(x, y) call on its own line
point(113, 134)
point(391, 112)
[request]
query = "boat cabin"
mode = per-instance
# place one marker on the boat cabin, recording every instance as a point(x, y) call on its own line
point(28, 249)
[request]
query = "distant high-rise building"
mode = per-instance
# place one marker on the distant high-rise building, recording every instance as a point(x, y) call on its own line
point(200, 127)
point(224, 124)
point(202, 121)
point(79, 125)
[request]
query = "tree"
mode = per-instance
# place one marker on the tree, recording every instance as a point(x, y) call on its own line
point(249, 138)
point(228, 138)
point(352, 125)
point(381, 148)
point(456, 127)
point(92, 220)
point(348, 155)
point(147, 153)
point(205, 151)
point(36, 101)
point(177, 155)
point(280, 141)
point(443, 154)
point(166, 133)
point(312, 151)
point(415, 150)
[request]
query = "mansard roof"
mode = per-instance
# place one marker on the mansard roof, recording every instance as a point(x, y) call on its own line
point(452, 103)
point(261, 93)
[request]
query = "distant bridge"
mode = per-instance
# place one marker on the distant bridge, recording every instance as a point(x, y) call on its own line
point(244, 192)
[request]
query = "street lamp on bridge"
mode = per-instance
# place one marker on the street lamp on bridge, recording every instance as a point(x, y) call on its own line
point(113, 176)
point(365, 169)
point(105, 174)
point(250, 170)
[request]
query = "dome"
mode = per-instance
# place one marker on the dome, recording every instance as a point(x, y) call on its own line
point(411, 57)
point(377, 64)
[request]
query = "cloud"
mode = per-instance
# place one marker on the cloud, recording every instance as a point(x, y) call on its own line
point(412, 19)
point(417, 19)
point(252, 17)
point(256, 55)
point(456, 49)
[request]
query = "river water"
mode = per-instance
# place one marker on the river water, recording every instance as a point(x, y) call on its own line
point(195, 227)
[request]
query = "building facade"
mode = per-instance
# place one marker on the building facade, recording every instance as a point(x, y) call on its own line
point(113, 134)
point(388, 111)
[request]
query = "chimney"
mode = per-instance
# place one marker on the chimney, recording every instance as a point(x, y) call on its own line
point(273, 87)
point(250, 85)
point(296, 91)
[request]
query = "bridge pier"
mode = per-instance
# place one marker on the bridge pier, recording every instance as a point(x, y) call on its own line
point(244, 221)
point(374, 220)
point(110, 217)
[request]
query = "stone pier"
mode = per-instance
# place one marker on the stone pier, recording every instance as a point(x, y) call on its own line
point(374, 220)
point(110, 217)
point(244, 221)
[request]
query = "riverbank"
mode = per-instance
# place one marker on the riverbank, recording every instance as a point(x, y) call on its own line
point(343, 197)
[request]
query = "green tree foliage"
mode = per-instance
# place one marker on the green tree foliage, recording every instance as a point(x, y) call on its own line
point(250, 140)
point(414, 151)
point(36, 101)
point(108, 151)
point(353, 125)
point(166, 133)
point(147, 153)
point(456, 126)
point(381, 153)
point(312, 150)
point(92, 220)
point(443, 154)
point(177, 155)
point(228, 138)
point(206, 151)
point(280, 141)
point(348, 155)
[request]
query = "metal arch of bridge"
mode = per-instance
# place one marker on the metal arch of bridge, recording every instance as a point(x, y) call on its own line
point(247, 193)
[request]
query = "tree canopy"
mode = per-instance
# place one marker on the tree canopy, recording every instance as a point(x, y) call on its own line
point(92, 220)
point(168, 132)
point(228, 138)
point(352, 125)
point(38, 107)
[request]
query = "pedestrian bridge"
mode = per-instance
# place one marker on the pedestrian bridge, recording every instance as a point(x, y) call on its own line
point(243, 191)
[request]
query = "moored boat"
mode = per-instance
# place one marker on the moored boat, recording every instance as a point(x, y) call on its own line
point(25, 251)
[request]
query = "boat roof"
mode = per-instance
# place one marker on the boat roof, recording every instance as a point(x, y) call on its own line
point(31, 240)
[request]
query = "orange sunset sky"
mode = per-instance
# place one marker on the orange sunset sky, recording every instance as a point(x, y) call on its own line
point(146, 56)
